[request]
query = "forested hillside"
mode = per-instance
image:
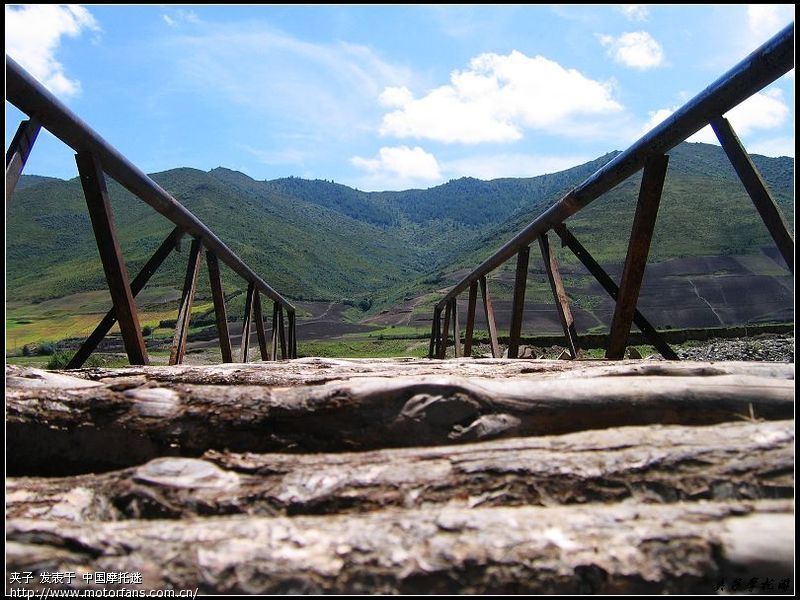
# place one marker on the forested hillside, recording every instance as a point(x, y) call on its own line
point(325, 241)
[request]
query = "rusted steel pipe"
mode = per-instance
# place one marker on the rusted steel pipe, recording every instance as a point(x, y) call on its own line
point(759, 69)
point(29, 96)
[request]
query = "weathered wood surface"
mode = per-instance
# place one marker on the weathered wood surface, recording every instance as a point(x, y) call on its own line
point(316, 371)
point(619, 548)
point(55, 422)
point(626, 503)
point(743, 460)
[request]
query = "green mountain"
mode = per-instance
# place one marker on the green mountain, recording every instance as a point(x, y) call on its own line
point(318, 240)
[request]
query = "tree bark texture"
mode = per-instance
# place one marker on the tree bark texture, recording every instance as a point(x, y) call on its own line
point(619, 548)
point(405, 476)
point(60, 424)
point(650, 464)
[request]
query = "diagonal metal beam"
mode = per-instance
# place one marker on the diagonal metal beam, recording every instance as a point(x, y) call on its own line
point(18, 153)
point(488, 310)
point(259, 319)
point(178, 349)
point(604, 279)
point(248, 312)
point(273, 355)
point(644, 222)
point(757, 189)
point(105, 234)
point(137, 285)
point(282, 333)
point(559, 295)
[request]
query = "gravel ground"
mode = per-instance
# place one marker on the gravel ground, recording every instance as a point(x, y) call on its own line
point(770, 348)
point(766, 347)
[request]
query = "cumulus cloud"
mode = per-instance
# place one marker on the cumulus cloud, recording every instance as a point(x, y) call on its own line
point(634, 12)
point(635, 49)
point(764, 110)
point(33, 36)
point(402, 162)
point(495, 100)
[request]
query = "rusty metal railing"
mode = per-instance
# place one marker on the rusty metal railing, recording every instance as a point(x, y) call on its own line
point(95, 156)
point(759, 69)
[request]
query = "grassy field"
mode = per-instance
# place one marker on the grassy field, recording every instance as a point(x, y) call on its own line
point(76, 316)
point(360, 348)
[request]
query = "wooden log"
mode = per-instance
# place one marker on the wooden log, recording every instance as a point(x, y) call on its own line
point(644, 222)
point(178, 348)
point(456, 329)
point(62, 423)
point(738, 460)
point(559, 296)
point(18, 152)
point(316, 371)
point(105, 234)
point(653, 336)
point(220, 313)
point(137, 285)
point(471, 302)
point(248, 315)
point(490, 322)
point(622, 548)
point(756, 188)
point(518, 302)
point(258, 316)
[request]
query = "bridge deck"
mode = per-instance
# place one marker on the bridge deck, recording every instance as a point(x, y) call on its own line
point(404, 475)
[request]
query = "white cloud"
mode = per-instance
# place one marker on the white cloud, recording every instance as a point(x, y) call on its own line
point(634, 12)
point(765, 20)
point(279, 81)
point(495, 99)
point(33, 35)
point(764, 110)
point(636, 49)
point(402, 162)
point(181, 16)
point(494, 166)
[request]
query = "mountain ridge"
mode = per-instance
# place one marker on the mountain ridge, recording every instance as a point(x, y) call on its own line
point(323, 240)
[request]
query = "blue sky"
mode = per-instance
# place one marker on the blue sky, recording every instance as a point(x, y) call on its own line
point(387, 97)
